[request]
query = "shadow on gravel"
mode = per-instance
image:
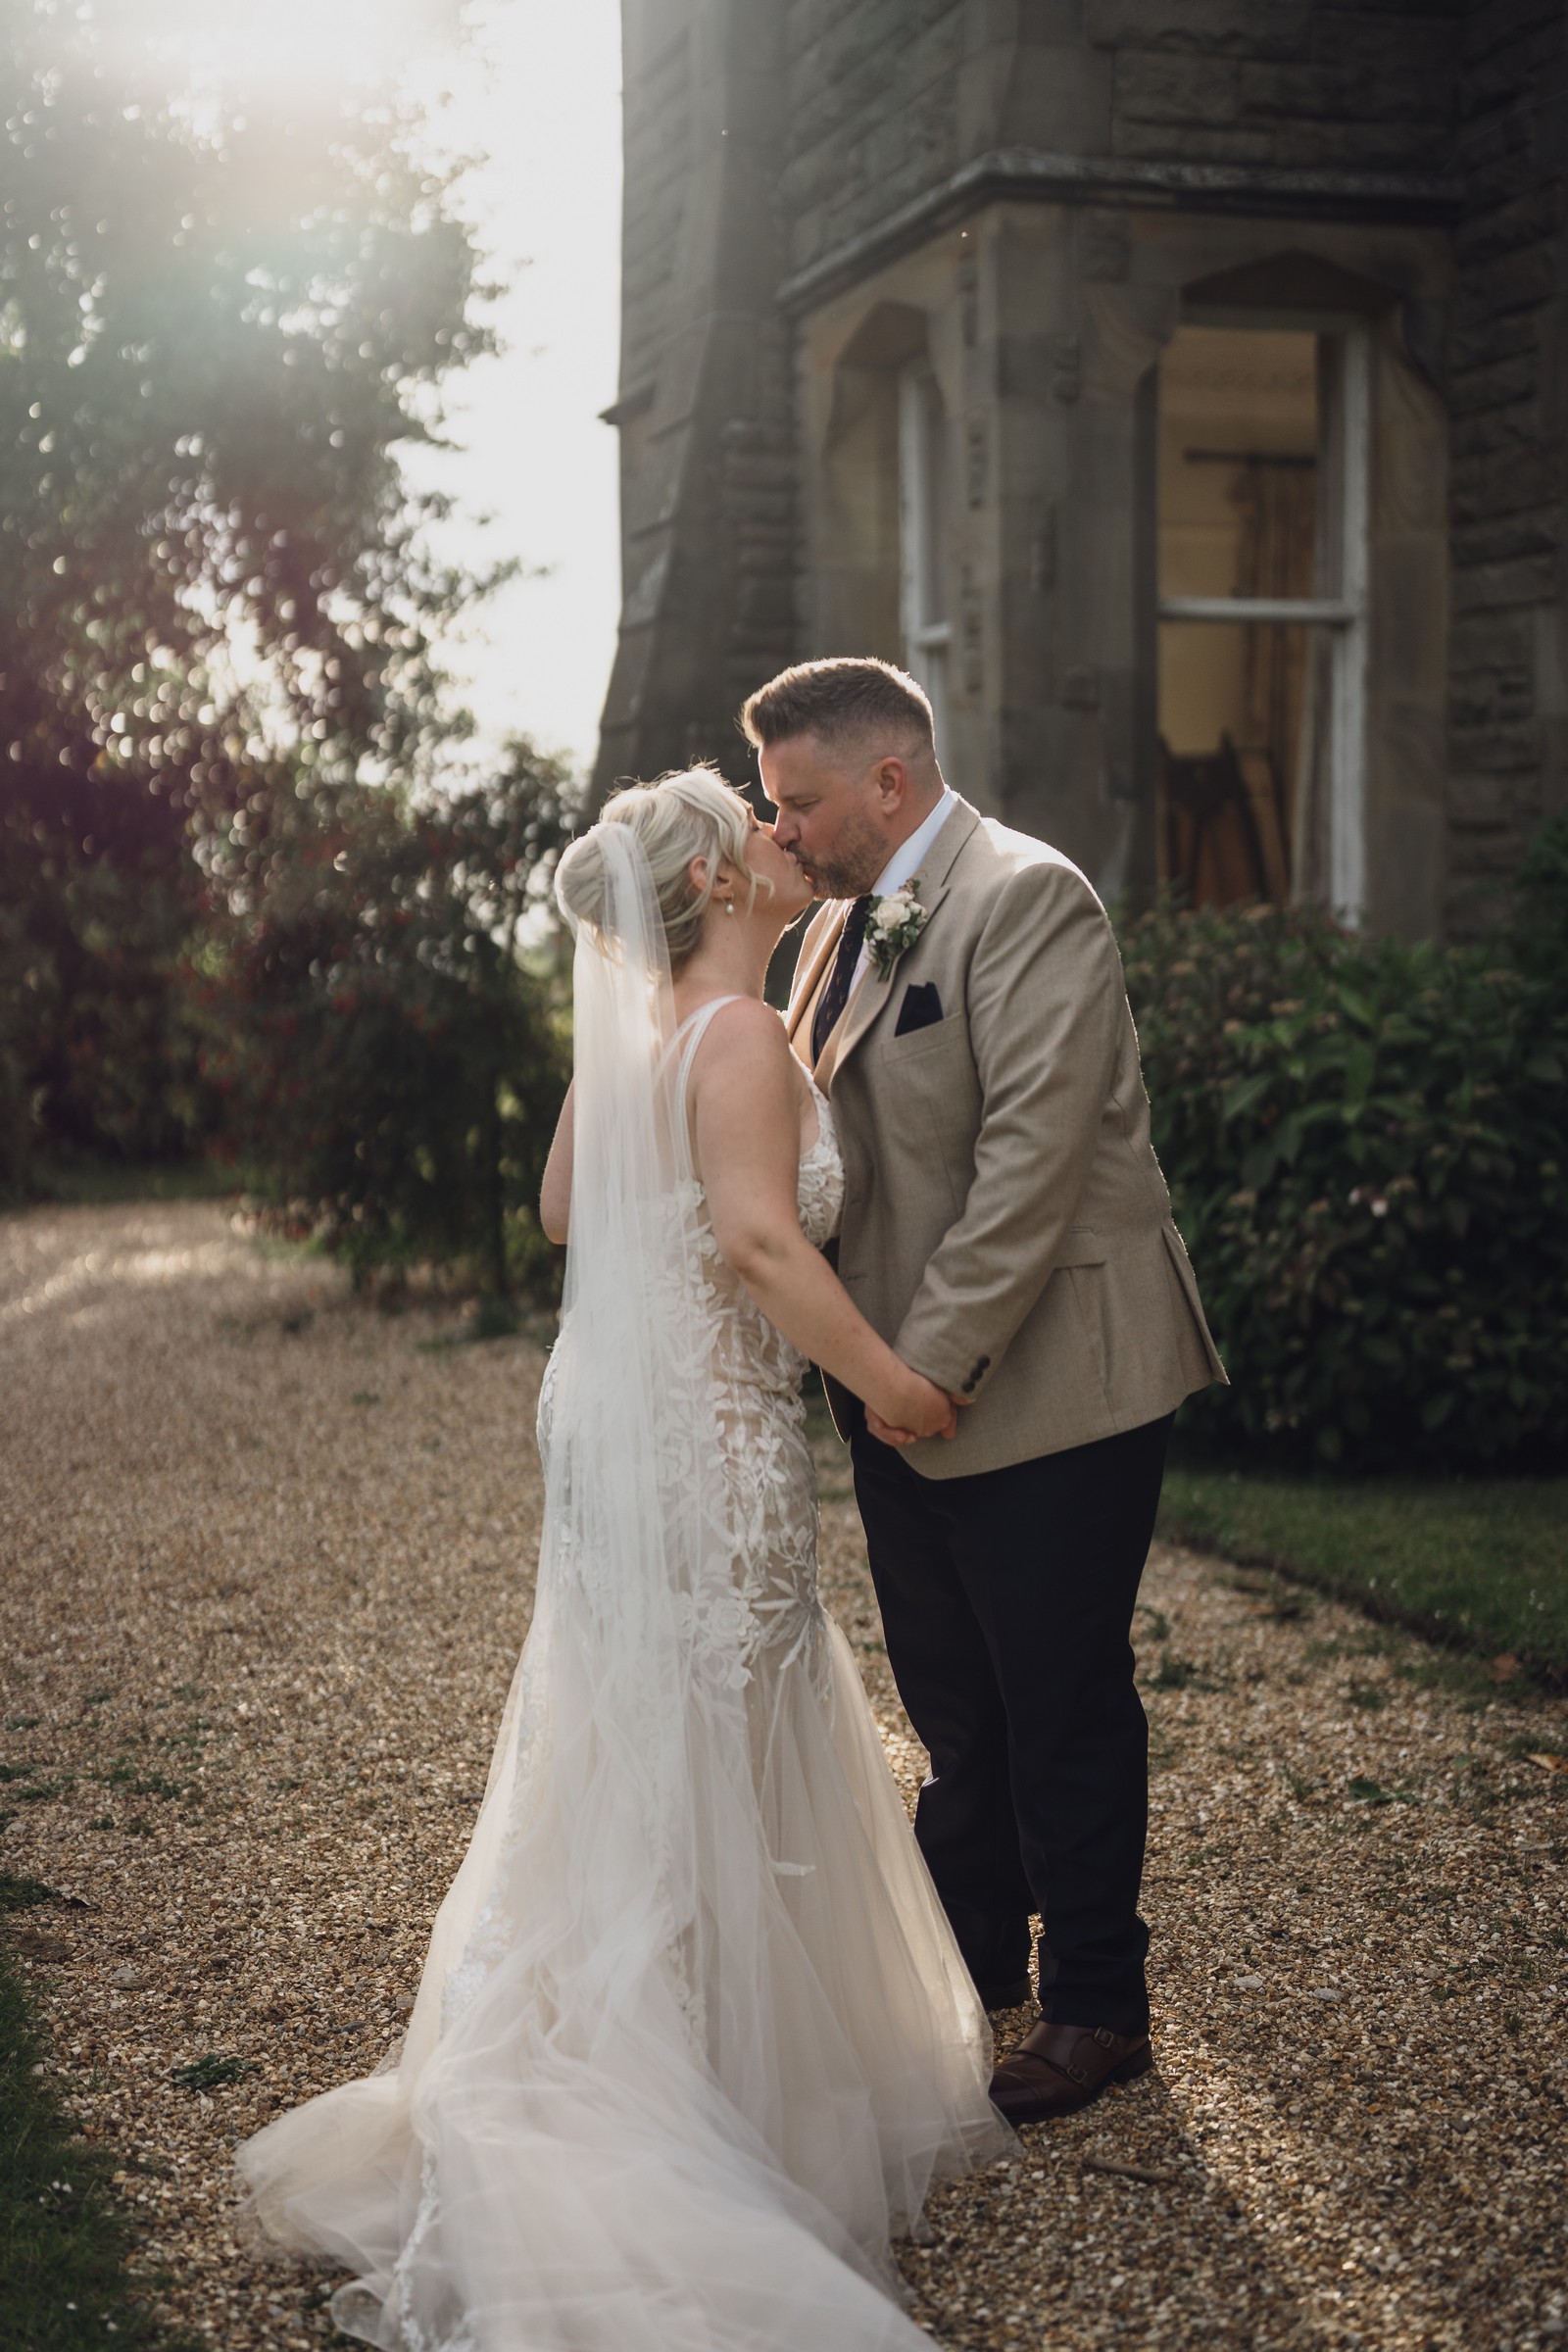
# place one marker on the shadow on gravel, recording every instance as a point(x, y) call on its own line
point(1114, 2227)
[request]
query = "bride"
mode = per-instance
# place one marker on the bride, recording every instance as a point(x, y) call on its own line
point(693, 2038)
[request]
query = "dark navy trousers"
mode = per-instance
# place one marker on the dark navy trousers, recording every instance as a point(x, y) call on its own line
point(1006, 1601)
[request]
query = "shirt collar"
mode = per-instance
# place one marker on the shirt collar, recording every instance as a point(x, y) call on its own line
point(909, 855)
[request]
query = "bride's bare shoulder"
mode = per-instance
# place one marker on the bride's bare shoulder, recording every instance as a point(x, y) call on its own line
point(745, 1103)
point(745, 1042)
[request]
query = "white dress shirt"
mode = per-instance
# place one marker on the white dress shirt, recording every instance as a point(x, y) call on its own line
point(905, 862)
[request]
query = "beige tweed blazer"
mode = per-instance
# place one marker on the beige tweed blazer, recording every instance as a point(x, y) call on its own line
point(1006, 1224)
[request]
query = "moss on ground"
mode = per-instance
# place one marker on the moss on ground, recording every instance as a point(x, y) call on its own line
point(65, 2239)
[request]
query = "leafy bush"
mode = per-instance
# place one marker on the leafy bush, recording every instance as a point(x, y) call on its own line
point(1365, 1143)
point(98, 1055)
point(392, 1064)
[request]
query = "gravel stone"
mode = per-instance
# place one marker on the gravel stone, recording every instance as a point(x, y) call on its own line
point(265, 1562)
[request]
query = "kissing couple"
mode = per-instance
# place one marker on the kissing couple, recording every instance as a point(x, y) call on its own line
point(700, 2021)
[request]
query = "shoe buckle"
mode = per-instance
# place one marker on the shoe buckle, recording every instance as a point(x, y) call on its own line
point(1076, 2072)
point(1106, 2037)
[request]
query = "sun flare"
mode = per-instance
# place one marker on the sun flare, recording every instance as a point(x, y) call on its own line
point(241, 44)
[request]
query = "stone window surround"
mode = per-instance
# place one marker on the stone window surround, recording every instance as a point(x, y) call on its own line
point(1051, 178)
point(1092, 717)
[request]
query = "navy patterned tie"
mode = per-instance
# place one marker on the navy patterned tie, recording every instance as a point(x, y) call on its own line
point(836, 995)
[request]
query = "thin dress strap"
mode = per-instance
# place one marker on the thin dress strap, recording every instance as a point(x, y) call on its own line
point(697, 1022)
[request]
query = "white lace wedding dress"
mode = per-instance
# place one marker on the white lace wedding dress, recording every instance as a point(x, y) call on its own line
point(693, 2038)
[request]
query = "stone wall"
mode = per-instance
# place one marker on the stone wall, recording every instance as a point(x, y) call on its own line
point(1282, 83)
point(871, 112)
point(705, 407)
point(1508, 400)
point(786, 157)
point(885, 99)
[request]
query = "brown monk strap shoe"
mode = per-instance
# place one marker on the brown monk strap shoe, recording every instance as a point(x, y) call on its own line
point(1057, 2068)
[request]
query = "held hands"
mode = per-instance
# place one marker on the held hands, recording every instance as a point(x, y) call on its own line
point(923, 1411)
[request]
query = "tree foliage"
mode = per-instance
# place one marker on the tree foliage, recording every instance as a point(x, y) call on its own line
point(388, 1053)
point(222, 327)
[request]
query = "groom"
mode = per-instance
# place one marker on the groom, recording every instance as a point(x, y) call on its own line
point(1008, 1229)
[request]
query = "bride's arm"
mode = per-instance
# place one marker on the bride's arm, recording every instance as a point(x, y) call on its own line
point(747, 1110)
point(555, 1193)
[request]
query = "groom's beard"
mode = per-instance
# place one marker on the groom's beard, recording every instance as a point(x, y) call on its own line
point(835, 882)
point(858, 858)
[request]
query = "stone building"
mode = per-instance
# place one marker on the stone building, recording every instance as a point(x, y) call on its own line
point(1178, 386)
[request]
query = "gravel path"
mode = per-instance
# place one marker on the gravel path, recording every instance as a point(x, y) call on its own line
point(265, 1565)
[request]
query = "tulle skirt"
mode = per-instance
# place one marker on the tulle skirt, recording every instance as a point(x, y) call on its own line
point(678, 2102)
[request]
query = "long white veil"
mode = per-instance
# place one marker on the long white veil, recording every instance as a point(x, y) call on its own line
point(587, 2142)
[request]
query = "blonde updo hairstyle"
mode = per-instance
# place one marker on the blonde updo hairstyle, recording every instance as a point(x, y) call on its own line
point(689, 814)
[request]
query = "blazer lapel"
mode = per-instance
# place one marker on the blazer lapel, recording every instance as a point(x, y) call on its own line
point(937, 872)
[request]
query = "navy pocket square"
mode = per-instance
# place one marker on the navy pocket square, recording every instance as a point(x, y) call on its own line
point(920, 1009)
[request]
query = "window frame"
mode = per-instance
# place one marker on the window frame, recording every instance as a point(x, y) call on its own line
point(924, 621)
point(1341, 611)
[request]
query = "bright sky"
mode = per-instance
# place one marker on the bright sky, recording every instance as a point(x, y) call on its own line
point(542, 105)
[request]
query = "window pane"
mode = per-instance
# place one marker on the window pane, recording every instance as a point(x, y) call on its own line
point(934, 587)
point(1238, 449)
point(923, 517)
point(1237, 718)
point(923, 497)
point(1238, 434)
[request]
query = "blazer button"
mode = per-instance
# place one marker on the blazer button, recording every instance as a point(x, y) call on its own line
point(968, 1387)
point(984, 1364)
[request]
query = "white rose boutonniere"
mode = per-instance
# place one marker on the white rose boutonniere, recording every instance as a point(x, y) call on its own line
point(893, 924)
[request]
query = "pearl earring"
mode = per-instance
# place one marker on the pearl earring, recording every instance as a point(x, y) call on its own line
point(729, 905)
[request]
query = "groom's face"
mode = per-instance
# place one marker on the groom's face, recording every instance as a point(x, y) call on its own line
point(834, 807)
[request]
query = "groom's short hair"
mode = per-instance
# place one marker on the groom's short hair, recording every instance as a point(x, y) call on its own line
point(849, 694)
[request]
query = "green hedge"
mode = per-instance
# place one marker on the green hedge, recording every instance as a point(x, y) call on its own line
point(1365, 1143)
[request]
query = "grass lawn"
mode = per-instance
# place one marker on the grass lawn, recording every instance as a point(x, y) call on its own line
point(64, 2239)
point(1477, 1564)
point(1480, 1563)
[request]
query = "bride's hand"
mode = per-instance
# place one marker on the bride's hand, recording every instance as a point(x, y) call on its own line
point(922, 1409)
